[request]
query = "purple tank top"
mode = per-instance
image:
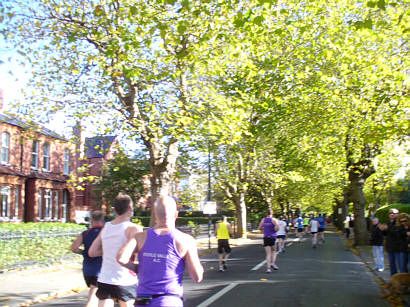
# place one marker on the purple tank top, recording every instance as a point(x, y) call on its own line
point(161, 268)
point(268, 228)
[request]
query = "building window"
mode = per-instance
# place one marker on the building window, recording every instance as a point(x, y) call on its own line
point(56, 204)
point(46, 156)
point(5, 202)
point(16, 202)
point(34, 155)
point(5, 147)
point(66, 161)
point(47, 204)
point(40, 204)
point(64, 206)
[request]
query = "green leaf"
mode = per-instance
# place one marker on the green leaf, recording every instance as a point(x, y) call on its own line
point(186, 4)
point(371, 4)
point(258, 20)
point(368, 23)
point(381, 4)
point(134, 10)
point(181, 28)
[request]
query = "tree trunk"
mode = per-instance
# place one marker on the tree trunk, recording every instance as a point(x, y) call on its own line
point(357, 181)
point(162, 162)
point(338, 213)
point(240, 213)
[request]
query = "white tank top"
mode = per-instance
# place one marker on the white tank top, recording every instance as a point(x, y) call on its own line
point(282, 228)
point(314, 227)
point(113, 238)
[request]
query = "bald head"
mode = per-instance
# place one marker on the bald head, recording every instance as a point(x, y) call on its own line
point(165, 209)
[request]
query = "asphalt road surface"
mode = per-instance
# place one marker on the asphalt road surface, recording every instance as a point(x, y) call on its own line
point(327, 276)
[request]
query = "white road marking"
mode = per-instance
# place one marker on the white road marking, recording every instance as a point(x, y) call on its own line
point(216, 259)
point(217, 295)
point(256, 267)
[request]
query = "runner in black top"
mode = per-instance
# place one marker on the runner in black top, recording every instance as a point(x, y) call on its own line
point(91, 265)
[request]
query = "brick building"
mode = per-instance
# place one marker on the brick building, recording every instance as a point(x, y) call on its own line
point(97, 150)
point(35, 168)
point(35, 164)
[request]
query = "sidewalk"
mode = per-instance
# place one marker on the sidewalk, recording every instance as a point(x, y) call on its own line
point(34, 285)
point(365, 253)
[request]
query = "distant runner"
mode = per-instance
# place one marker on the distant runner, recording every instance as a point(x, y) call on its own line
point(314, 227)
point(299, 225)
point(222, 231)
point(321, 232)
point(269, 225)
point(281, 235)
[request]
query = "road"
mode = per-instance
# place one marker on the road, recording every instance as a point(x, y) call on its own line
point(329, 275)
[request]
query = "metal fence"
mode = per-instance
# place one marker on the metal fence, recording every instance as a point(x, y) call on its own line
point(10, 235)
point(26, 248)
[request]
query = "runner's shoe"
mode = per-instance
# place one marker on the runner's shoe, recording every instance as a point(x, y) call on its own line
point(274, 266)
point(221, 268)
point(268, 270)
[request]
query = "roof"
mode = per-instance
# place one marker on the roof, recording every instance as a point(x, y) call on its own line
point(5, 170)
point(14, 121)
point(48, 176)
point(98, 146)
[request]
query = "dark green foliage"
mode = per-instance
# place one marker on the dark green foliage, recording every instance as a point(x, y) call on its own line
point(383, 213)
point(182, 221)
point(122, 174)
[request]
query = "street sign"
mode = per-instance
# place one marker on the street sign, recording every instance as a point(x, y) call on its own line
point(209, 207)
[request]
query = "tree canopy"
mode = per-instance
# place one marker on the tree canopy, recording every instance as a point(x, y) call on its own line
point(297, 100)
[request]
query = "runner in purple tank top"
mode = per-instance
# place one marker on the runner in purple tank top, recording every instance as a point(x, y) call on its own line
point(269, 225)
point(163, 252)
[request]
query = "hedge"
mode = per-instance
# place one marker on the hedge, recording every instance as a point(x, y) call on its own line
point(26, 244)
point(181, 221)
point(383, 213)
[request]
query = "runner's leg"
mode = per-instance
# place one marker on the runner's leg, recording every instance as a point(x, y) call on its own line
point(106, 303)
point(92, 300)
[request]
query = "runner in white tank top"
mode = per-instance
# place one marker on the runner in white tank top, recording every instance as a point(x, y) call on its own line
point(281, 235)
point(116, 282)
point(113, 273)
point(314, 227)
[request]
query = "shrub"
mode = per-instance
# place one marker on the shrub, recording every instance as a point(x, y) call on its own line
point(383, 212)
point(27, 244)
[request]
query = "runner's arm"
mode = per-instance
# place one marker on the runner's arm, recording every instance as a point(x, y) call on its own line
point(230, 229)
point(124, 255)
point(260, 227)
point(216, 228)
point(96, 248)
point(75, 247)
point(195, 269)
point(275, 222)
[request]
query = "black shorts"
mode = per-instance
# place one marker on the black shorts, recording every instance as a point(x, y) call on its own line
point(321, 229)
point(300, 229)
point(90, 280)
point(122, 293)
point(223, 245)
point(269, 241)
point(281, 236)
